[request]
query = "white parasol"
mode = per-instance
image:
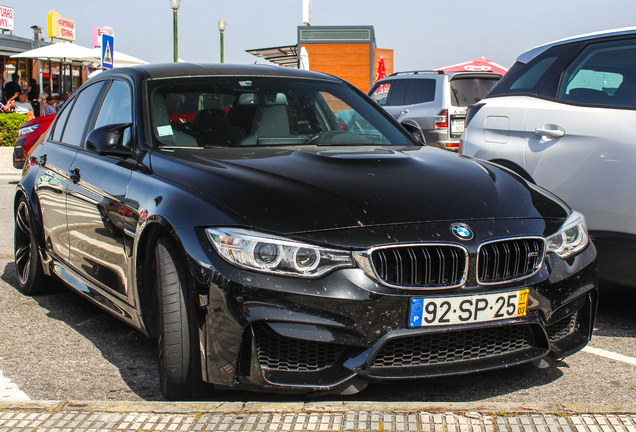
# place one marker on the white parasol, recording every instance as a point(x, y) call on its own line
point(64, 51)
point(119, 59)
point(304, 59)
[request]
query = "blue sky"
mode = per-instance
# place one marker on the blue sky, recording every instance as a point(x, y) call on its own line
point(423, 34)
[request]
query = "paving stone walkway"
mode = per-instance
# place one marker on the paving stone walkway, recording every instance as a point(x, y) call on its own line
point(298, 417)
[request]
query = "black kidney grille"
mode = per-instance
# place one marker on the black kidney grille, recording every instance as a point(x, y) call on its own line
point(276, 352)
point(508, 260)
point(561, 328)
point(420, 266)
point(443, 348)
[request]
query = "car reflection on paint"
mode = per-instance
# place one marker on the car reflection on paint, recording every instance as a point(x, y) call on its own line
point(275, 230)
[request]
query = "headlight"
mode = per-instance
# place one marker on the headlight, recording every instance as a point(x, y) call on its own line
point(270, 254)
point(572, 237)
point(27, 130)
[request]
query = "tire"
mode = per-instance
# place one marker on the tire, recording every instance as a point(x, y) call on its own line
point(28, 266)
point(177, 332)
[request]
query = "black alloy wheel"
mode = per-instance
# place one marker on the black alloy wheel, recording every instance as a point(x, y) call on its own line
point(177, 332)
point(31, 277)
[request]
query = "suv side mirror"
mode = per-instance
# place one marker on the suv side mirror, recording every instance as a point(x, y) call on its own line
point(415, 130)
point(108, 140)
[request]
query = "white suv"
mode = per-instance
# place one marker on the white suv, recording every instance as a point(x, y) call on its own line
point(435, 100)
point(565, 116)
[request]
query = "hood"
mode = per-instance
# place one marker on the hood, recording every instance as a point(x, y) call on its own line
point(300, 189)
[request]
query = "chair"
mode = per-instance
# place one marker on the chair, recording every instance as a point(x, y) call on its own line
point(213, 127)
point(163, 131)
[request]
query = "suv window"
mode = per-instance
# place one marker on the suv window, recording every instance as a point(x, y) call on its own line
point(603, 74)
point(468, 91)
point(530, 78)
point(381, 93)
point(412, 91)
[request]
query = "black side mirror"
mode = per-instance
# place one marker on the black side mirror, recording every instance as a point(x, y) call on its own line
point(108, 140)
point(415, 130)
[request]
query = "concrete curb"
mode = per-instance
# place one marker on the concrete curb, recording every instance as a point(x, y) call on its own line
point(317, 407)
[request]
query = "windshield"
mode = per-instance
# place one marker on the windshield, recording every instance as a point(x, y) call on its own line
point(264, 111)
point(469, 91)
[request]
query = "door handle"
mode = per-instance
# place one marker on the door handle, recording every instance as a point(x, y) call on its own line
point(74, 175)
point(549, 132)
point(405, 111)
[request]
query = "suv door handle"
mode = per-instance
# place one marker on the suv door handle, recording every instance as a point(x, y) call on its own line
point(74, 175)
point(549, 132)
point(405, 111)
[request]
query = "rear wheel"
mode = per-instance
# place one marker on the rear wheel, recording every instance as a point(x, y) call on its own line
point(177, 333)
point(31, 277)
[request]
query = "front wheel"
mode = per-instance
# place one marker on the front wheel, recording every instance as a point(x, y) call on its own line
point(177, 333)
point(31, 277)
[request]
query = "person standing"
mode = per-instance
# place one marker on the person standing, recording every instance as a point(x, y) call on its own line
point(12, 87)
point(34, 97)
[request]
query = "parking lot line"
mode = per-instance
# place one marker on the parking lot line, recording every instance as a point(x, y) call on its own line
point(610, 355)
point(9, 391)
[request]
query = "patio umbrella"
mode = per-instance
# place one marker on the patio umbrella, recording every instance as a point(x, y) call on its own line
point(304, 59)
point(62, 52)
point(381, 70)
point(481, 64)
point(119, 58)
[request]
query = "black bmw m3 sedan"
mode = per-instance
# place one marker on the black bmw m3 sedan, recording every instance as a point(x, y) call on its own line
point(275, 230)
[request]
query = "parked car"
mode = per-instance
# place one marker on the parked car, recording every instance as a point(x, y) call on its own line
point(267, 247)
point(28, 134)
point(435, 100)
point(565, 115)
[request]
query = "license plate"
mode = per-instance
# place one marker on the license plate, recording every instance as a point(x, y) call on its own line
point(467, 309)
point(457, 126)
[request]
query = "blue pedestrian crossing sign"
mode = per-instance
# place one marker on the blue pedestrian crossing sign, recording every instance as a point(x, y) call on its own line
point(108, 51)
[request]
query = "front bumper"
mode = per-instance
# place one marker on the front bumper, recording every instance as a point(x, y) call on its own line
point(340, 332)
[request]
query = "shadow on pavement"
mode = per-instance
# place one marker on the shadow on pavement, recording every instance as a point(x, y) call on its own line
point(616, 316)
point(134, 355)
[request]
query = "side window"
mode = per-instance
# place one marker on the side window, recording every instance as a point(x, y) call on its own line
point(603, 73)
point(79, 114)
point(420, 91)
point(398, 95)
point(117, 105)
point(61, 120)
point(381, 93)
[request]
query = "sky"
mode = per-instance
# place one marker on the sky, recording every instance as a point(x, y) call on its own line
point(424, 34)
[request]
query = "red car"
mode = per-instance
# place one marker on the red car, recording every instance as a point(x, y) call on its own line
point(28, 134)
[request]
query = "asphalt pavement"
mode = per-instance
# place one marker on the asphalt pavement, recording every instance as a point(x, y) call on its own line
point(17, 413)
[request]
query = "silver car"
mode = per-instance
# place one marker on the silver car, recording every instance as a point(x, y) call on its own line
point(564, 116)
point(435, 100)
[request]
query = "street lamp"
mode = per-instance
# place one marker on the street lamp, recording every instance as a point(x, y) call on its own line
point(221, 25)
point(174, 4)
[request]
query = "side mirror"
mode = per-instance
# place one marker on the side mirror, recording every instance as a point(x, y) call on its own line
point(108, 140)
point(415, 130)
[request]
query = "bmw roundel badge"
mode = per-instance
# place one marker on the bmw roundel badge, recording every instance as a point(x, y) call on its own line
point(462, 231)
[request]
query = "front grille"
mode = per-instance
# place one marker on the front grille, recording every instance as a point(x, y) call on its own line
point(507, 260)
point(421, 266)
point(280, 353)
point(561, 328)
point(457, 346)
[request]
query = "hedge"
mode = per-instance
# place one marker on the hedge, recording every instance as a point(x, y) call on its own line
point(9, 125)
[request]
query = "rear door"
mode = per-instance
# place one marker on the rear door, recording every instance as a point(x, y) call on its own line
point(582, 144)
point(96, 198)
point(55, 157)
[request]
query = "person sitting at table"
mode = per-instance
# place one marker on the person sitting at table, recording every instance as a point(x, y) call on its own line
point(9, 106)
point(24, 107)
point(50, 107)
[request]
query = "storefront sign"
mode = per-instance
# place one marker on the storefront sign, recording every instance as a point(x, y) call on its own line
point(6, 18)
point(97, 35)
point(60, 28)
